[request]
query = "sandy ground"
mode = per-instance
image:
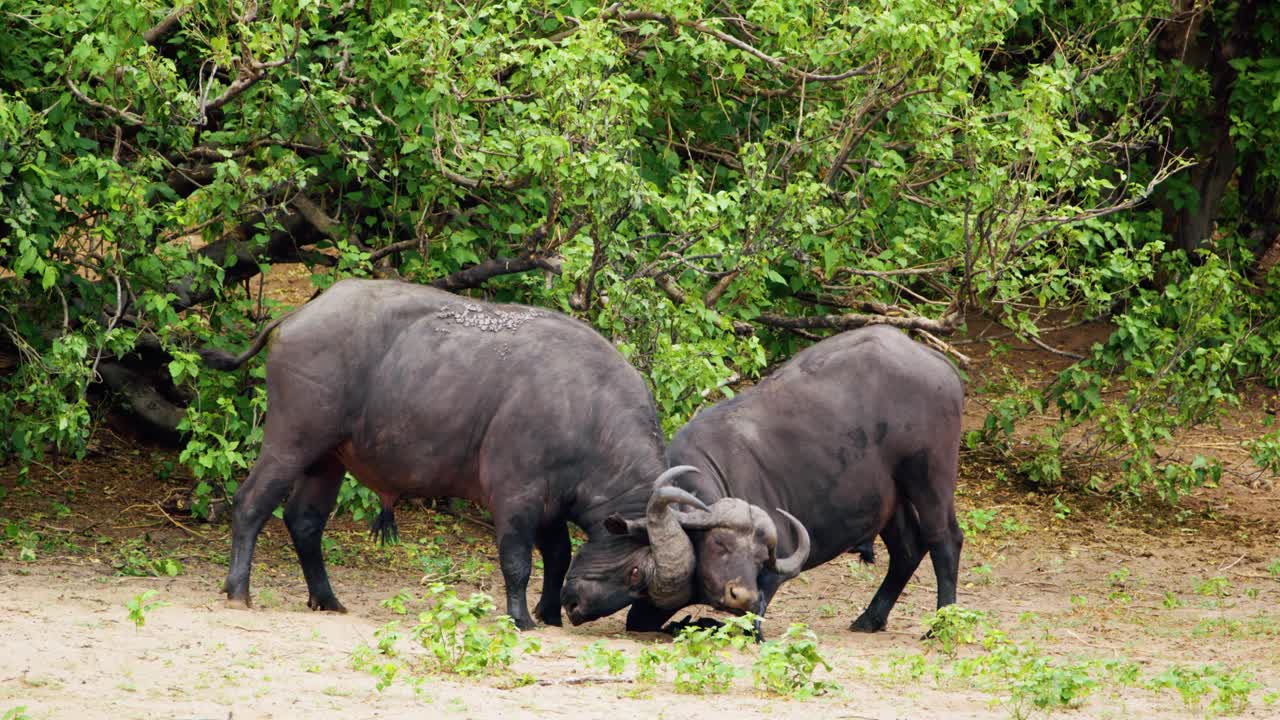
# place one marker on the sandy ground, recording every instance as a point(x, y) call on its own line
point(71, 651)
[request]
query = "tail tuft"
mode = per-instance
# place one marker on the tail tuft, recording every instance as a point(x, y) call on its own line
point(866, 553)
point(384, 528)
point(219, 359)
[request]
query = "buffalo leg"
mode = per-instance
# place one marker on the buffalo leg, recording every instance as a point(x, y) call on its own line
point(515, 555)
point(902, 539)
point(305, 515)
point(261, 492)
point(553, 545)
point(929, 482)
point(644, 616)
point(768, 584)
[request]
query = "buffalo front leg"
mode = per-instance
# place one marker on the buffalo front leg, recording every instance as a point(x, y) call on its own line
point(254, 500)
point(553, 545)
point(515, 555)
point(902, 539)
point(305, 515)
point(644, 616)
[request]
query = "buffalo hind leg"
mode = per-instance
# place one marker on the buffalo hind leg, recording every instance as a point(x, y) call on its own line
point(553, 545)
point(902, 539)
point(928, 480)
point(305, 515)
point(255, 499)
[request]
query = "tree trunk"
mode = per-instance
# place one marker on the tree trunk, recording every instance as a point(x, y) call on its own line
point(1195, 38)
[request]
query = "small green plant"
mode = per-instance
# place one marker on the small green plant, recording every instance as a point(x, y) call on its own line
point(786, 666)
point(1060, 509)
point(16, 713)
point(977, 521)
point(1012, 526)
point(952, 626)
point(650, 662)
point(698, 655)
point(1274, 569)
point(1216, 586)
point(379, 660)
point(982, 574)
point(1118, 578)
point(141, 604)
point(134, 560)
point(453, 632)
point(596, 655)
point(398, 603)
point(1171, 601)
point(1229, 690)
point(26, 540)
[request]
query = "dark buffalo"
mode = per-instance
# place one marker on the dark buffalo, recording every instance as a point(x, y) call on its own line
point(857, 435)
point(421, 393)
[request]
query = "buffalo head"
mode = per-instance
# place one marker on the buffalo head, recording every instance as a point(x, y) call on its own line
point(729, 546)
point(736, 544)
point(649, 559)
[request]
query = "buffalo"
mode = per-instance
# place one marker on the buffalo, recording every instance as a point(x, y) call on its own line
point(421, 393)
point(857, 436)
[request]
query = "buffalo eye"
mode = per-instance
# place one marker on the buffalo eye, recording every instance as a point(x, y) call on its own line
point(633, 577)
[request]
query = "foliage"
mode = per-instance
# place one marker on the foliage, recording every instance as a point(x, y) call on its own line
point(698, 655)
point(1228, 690)
point(786, 666)
point(133, 559)
point(454, 632)
point(141, 604)
point(683, 177)
point(1026, 681)
point(950, 627)
point(457, 640)
point(596, 655)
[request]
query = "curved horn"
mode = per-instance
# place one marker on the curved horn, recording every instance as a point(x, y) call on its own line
point(673, 558)
point(790, 566)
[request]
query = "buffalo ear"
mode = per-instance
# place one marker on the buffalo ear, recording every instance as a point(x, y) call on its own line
point(615, 525)
point(618, 525)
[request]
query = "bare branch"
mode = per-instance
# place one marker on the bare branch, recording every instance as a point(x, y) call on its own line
point(945, 326)
point(393, 248)
point(713, 295)
point(162, 29)
point(124, 115)
point(312, 213)
point(477, 274)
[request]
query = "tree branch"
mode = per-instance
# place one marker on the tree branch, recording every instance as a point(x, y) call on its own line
point(162, 29)
point(946, 326)
point(124, 115)
point(143, 399)
point(477, 274)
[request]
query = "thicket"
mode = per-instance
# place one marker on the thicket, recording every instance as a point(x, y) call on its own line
point(710, 186)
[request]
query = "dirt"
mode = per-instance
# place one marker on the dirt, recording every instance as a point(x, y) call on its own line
point(1076, 576)
point(1081, 587)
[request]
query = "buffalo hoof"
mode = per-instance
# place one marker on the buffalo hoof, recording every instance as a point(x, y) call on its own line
point(548, 617)
point(675, 627)
point(234, 603)
point(867, 625)
point(524, 623)
point(329, 604)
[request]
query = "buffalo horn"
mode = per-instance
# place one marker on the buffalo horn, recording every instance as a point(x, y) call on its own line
point(673, 558)
point(789, 567)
